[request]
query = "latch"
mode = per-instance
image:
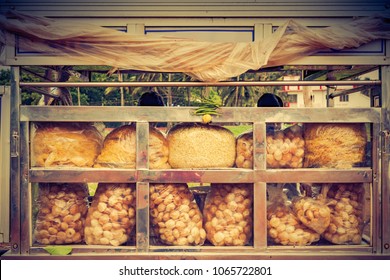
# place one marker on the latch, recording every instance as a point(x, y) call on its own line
point(386, 141)
point(14, 144)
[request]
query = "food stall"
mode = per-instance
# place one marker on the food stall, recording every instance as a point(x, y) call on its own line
point(337, 159)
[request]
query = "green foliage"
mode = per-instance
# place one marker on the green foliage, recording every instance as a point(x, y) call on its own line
point(239, 129)
point(5, 77)
point(28, 95)
point(58, 250)
point(235, 96)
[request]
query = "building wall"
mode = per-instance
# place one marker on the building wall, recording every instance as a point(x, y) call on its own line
point(355, 100)
point(318, 98)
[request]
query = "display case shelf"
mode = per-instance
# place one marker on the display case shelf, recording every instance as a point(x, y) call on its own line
point(260, 176)
point(228, 175)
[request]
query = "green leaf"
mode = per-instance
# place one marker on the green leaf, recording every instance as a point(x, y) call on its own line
point(58, 250)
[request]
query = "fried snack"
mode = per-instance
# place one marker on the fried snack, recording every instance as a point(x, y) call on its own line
point(283, 226)
point(65, 144)
point(285, 229)
point(111, 217)
point(313, 213)
point(285, 149)
point(119, 149)
point(334, 145)
point(196, 145)
point(61, 213)
point(228, 214)
point(175, 216)
point(244, 150)
point(346, 204)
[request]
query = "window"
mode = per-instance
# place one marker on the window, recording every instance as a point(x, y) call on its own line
point(344, 98)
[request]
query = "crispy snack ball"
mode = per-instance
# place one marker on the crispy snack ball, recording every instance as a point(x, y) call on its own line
point(61, 213)
point(283, 226)
point(119, 149)
point(313, 213)
point(111, 217)
point(244, 150)
point(228, 214)
point(69, 144)
point(346, 221)
point(285, 148)
point(285, 229)
point(175, 216)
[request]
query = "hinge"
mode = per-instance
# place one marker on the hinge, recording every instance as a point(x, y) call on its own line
point(14, 144)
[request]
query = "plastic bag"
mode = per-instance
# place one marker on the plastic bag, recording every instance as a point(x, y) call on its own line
point(334, 145)
point(346, 223)
point(205, 61)
point(119, 149)
point(111, 217)
point(61, 213)
point(228, 214)
point(244, 150)
point(313, 212)
point(65, 144)
point(175, 216)
point(283, 226)
point(198, 145)
point(285, 148)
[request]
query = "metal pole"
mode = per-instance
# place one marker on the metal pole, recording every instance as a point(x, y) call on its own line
point(385, 161)
point(15, 229)
point(349, 91)
point(195, 84)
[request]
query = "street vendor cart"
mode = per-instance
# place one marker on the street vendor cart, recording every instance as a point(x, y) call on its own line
point(243, 211)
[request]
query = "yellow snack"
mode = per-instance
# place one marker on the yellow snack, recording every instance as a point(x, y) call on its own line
point(175, 216)
point(283, 226)
point(346, 204)
point(313, 213)
point(111, 217)
point(119, 149)
point(334, 145)
point(61, 213)
point(228, 214)
point(198, 145)
point(65, 144)
point(285, 149)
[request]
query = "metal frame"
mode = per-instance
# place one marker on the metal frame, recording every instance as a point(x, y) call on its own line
point(24, 175)
point(377, 177)
point(5, 107)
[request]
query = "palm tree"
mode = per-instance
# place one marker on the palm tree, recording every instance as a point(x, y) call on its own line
point(241, 96)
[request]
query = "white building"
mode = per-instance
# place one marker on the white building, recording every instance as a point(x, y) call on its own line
point(316, 96)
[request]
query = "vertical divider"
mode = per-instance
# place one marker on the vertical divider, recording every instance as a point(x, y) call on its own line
point(385, 158)
point(260, 188)
point(15, 203)
point(25, 191)
point(376, 204)
point(5, 111)
point(142, 214)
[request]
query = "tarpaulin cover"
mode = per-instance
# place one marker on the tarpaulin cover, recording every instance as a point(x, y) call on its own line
point(205, 61)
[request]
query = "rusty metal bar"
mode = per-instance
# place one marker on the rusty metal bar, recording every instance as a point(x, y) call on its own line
point(198, 84)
